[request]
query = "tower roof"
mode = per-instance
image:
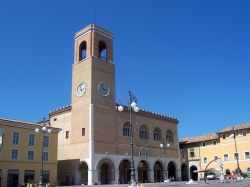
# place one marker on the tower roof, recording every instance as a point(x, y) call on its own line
point(95, 28)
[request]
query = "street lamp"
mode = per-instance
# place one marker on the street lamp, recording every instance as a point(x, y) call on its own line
point(131, 107)
point(237, 158)
point(162, 145)
point(43, 130)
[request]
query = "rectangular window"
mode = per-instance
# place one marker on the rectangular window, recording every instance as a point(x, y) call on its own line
point(31, 139)
point(83, 131)
point(45, 156)
point(192, 153)
point(224, 136)
point(236, 156)
point(204, 144)
point(30, 155)
point(67, 135)
point(15, 138)
point(45, 141)
point(226, 157)
point(214, 142)
point(244, 133)
point(45, 177)
point(29, 176)
point(14, 154)
point(205, 160)
point(247, 155)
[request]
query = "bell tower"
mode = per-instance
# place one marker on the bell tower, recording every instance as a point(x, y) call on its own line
point(93, 77)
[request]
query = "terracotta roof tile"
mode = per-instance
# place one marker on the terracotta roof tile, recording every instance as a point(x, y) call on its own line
point(202, 138)
point(236, 127)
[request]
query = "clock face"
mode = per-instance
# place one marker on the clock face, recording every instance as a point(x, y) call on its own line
point(81, 89)
point(103, 89)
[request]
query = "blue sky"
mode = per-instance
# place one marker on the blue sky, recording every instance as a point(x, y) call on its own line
point(186, 59)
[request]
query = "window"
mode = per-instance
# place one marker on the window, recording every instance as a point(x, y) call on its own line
point(15, 138)
point(157, 134)
point(45, 141)
point(83, 131)
point(226, 157)
point(45, 177)
point(31, 139)
point(236, 156)
point(126, 129)
point(244, 133)
point(247, 155)
point(203, 144)
point(67, 135)
point(214, 142)
point(143, 132)
point(82, 51)
point(205, 160)
point(30, 155)
point(192, 153)
point(143, 151)
point(169, 136)
point(14, 154)
point(29, 176)
point(224, 136)
point(45, 156)
point(102, 51)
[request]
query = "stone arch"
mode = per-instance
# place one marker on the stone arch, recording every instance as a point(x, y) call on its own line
point(172, 170)
point(124, 171)
point(184, 172)
point(158, 171)
point(106, 171)
point(142, 170)
point(83, 168)
point(193, 173)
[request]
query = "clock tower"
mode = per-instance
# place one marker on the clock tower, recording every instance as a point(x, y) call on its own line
point(93, 85)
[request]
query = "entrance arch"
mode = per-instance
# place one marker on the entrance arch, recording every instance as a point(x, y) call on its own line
point(193, 174)
point(83, 167)
point(171, 170)
point(142, 172)
point(106, 171)
point(184, 172)
point(124, 172)
point(158, 172)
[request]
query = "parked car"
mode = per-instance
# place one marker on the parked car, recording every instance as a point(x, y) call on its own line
point(212, 175)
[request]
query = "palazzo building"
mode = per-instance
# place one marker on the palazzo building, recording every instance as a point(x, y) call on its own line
point(217, 151)
point(94, 144)
point(21, 152)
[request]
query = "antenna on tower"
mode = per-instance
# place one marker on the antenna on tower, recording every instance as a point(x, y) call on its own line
point(94, 14)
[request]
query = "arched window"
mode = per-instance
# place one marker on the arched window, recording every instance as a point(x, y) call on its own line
point(169, 136)
point(157, 134)
point(82, 51)
point(126, 129)
point(102, 51)
point(143, 132)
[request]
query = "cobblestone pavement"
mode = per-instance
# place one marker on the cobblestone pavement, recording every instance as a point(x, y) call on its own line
point(242, 183)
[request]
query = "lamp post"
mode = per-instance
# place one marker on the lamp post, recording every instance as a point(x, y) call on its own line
point(43, 130)
point(131, 107)
point(162, 145)
point(237, 158)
